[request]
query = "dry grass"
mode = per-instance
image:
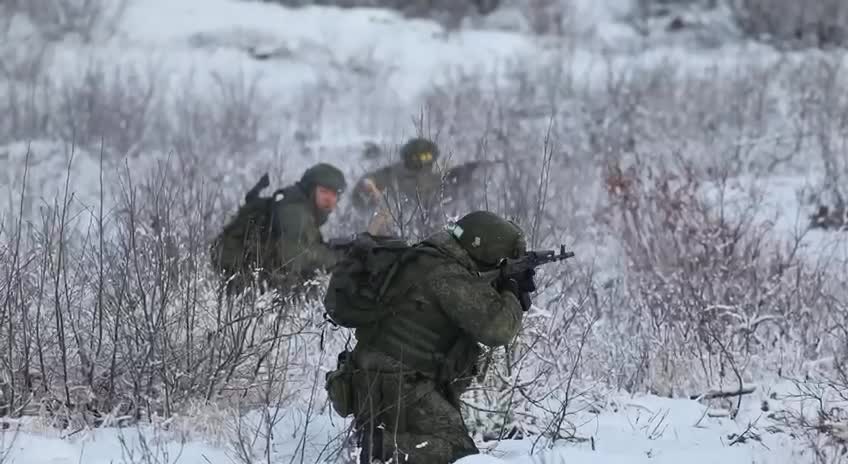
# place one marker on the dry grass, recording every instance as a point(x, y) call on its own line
point(109, 313)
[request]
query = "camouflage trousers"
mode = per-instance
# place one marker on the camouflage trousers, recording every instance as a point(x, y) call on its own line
point(403, 418)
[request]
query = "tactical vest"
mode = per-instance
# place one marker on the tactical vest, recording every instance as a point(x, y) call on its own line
point(417, 332)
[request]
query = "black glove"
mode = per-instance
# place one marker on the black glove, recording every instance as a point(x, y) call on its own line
point(526, 283)
point(509, 284)
point(526, 302)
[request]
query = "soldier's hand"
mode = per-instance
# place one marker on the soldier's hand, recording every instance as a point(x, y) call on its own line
point(526, 283)
point(525, 300)
point(380, 222)
point(370, 187)
point(510, 285)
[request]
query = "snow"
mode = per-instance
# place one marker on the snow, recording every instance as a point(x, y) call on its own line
point(32, 169)
point(318, 39)
point(104, 447)
point(781, 201)
point(639, 429)
point(377, 58)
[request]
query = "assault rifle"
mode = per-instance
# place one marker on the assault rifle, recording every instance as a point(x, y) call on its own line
point(523, 269)
point(340, 243)
point(463, 173)
point(362, 239)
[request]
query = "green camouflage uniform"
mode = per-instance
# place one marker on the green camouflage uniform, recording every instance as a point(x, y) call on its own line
point(410, 180)
point(412, 366)
point(301, 249)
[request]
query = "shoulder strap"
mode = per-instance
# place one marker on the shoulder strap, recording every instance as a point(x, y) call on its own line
point(412, 253)
point(275, 230)
point(436, 249)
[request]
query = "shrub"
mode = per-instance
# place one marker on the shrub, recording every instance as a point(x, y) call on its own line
point(816, 23)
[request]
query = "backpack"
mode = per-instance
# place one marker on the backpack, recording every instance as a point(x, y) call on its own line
point(244, 243)
point(356, 293)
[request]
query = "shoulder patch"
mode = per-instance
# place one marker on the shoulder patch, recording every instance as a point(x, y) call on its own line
point(455, 230)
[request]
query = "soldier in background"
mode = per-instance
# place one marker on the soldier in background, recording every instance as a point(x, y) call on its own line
point(300, 213)
point(411, 179)
point(279, 236)
point(412, 187)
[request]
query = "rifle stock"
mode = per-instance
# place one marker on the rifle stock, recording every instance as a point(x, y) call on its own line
point(343, 243)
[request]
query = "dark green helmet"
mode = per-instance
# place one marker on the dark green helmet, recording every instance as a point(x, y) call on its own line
point(488, 238)
point(325, 175)
point(419, 153)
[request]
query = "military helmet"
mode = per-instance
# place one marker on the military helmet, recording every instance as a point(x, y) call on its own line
point(418, 153)
point(325, 175)
point(488, 238)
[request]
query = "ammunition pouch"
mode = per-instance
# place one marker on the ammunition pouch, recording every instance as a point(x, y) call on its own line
point(459, 369)
point(339, 385)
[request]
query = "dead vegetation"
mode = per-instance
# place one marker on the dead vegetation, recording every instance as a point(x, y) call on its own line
point(110, 315)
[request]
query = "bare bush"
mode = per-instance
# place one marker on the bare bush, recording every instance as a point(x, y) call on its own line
point(114, 106)
point(822, 94)
point(133, 308)
point(22, 91)
point(711, 281)
point(85, 20)
point(231, 119)
point(110, 312)
point(447, 12)
point(112, 316)
point(818, 23)
point(816, 413)
point(547, 16)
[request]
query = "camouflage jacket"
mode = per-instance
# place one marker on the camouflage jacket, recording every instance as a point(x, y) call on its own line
point(301, 248)
point(442, 310)
point(398, 183)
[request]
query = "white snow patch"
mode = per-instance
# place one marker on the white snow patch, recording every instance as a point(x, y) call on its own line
point(376, 55)
point(34, 180)
point(641, 429)
point(337, 40)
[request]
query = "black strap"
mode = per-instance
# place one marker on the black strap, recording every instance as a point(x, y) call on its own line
point(275, 232)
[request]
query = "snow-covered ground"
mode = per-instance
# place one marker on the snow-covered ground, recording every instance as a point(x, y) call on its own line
point(362, 75)
point(617, 429)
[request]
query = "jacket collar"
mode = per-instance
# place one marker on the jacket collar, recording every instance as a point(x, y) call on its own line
point(444, 242)
point(297, 193)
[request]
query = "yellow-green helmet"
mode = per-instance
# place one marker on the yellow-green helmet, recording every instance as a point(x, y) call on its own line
point(419, 153)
